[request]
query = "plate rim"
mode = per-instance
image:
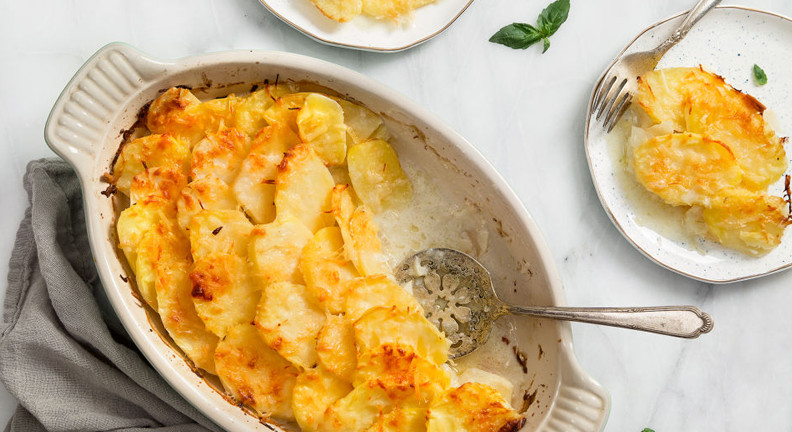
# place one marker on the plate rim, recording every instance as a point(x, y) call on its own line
point(606, 206)
point(327, 41)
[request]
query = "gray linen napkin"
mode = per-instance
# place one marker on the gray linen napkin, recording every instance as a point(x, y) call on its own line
point(63, 352)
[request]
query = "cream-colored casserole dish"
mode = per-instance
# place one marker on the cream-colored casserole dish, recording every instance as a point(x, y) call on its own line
point(103, 100)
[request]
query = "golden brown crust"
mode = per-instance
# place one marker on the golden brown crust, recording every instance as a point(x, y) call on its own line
point(256, 304)
point(721, 158)
point(472, 407)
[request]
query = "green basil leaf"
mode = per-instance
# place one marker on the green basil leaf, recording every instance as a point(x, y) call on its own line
point(648, 430)
point(759, 75)
point(517, 36)
point(552, 17)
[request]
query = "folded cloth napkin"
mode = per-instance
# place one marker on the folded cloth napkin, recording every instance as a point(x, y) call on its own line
point(63, 353)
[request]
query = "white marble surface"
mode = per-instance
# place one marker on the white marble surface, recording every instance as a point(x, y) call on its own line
point(525, 111)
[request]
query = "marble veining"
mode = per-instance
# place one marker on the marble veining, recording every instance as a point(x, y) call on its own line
point(525, 112)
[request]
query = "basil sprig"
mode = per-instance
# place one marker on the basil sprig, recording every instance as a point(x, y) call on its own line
point(523, 35)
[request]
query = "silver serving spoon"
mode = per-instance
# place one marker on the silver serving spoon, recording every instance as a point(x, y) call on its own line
point(457, 295)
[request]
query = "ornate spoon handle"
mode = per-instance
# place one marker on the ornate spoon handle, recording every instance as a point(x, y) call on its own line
point(696, 13)
point(679, 321)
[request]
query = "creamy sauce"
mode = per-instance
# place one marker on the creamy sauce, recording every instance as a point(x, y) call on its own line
point(433, 220)
point(430, 220)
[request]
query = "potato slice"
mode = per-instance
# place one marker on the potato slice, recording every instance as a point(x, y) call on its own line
point(148, 257)
point(152, 194)
point(686, 169)
point(362, 244)
point(279, 89)
point(220, 154)
point(208, 193)
point(398, 367)
point(222, 290)
point(750, 223)
point(381, 133)
point(379, 405)
point(473, 407)
point(135, 222)
point(697, 101)
point(404, 418)
point(361, 122)
point(360, 409)
point(335, 346)
point(218, 113)
point(316, 389)
point(302, 189)
point(342, 205)
point(321, 125)
point(499, 383)
point(289, 322)
point(180, 319)
point(158, 150)
point(176, 112)
point(248, 111)
point(339, 10)
point(369, 292)
point(254, 374)
point(390, 9)
point(158, 184)
point(415, 4)
point(275, 251)
point(325, 269)
point(663, 93)
point(383, 325)
point(377, 176)
point(724, 114)
point(393, 388)
point(365, 242)
point(174, 299)
point(219, 231)
point(285, 110)
point(254, 186)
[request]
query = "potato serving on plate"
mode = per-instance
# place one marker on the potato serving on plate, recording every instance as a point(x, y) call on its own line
point(346, 10)
point(250, 232)
point(707, 146)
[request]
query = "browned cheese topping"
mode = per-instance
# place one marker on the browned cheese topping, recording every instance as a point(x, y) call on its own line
point(250, 231)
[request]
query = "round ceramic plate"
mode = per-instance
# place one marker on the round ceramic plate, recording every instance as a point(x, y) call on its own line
point(366, 33)
point(728, 42)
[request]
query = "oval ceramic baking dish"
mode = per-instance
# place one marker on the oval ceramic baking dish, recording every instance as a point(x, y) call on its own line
point(104, 99)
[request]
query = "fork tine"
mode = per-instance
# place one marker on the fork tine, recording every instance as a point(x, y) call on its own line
point(611, 99)
point(617, 112)
point(602, 90)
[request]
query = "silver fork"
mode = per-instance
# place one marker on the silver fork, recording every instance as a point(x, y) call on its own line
point(616, 86)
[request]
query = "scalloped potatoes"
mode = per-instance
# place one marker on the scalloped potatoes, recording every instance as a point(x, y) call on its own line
point(267, 268)
point(717, 156)
point(346, 10)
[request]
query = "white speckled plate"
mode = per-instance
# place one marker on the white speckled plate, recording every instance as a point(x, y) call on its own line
point(366, 33)
point(728, 42)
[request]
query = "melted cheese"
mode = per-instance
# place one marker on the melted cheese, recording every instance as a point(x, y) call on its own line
point(268, 269)
point(720, 158)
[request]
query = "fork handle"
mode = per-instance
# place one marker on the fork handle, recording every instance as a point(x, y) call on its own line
point(699, 10)
point(679, 321)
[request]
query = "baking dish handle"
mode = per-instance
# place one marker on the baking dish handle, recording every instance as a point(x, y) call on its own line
point(77, 124)
point(581, 403)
